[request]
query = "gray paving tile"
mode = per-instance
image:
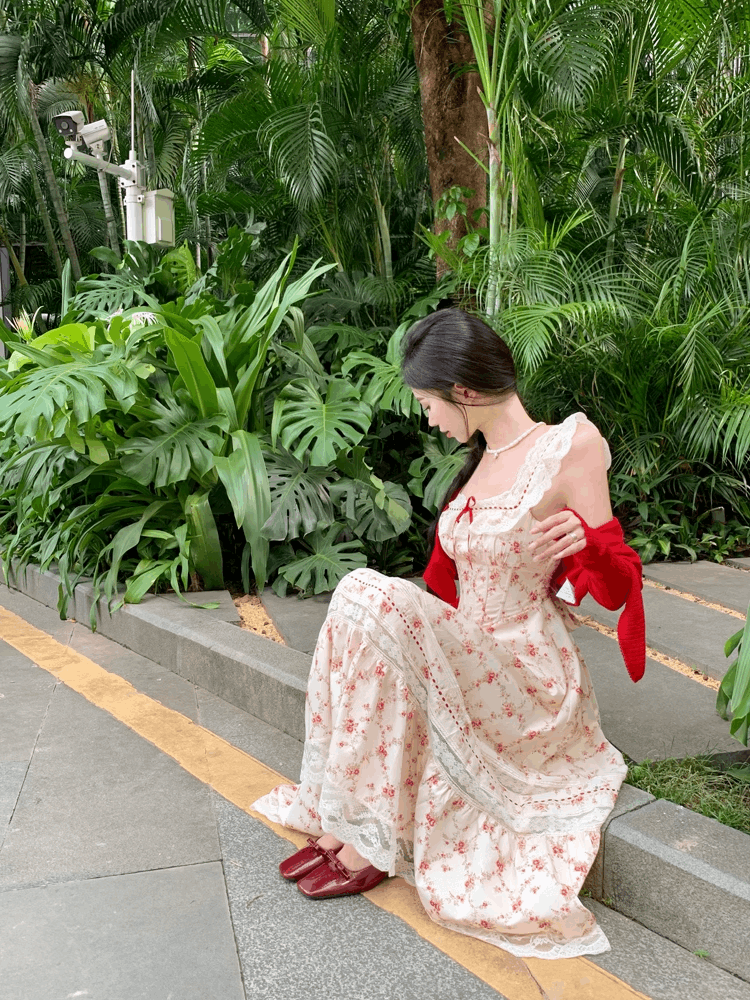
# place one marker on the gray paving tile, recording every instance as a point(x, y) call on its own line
point(298, 620)
point(99, 800)
point(292, 948)
point(163, 935)
point(12, 774)
point(692, 632)
point(657, 967)
point(275, 749)
point(226, 611)
point(711, 581)
point(25, 691)
point(741, 562)
point(148, 677)
point(664, 715)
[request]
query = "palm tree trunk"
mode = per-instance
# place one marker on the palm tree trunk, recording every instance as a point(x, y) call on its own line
point(46, 221)
point(54, 190)
point(385, 237)
point(453, 112)
point(614, 204)
point(109, 215)
point(13, 259)
point(22, 246)
point(496, 197)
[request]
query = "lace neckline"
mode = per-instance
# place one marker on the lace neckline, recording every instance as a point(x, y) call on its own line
point(527, 462)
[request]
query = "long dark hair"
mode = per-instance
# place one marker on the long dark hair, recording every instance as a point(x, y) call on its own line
point(448, 348)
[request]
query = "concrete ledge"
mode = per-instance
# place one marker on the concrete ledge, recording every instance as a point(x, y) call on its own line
point(255, 674)
point(675, 872)
point(683, 875)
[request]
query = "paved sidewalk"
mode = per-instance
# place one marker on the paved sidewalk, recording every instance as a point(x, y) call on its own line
point(123, 876)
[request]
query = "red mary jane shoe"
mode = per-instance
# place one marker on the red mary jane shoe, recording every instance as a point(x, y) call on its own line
point(333, 878)
point(304, 861)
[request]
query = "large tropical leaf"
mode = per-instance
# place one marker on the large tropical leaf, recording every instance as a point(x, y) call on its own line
point(194, 371)
point(33, 402)
point(299, 497)
point(176, 446)
point(205, 547)
point(433, 473)
point(304, 420)
point(245, 479)
point(329, 562)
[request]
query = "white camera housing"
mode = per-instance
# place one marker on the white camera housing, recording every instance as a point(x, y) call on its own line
point(69, 125)
point(94, 132)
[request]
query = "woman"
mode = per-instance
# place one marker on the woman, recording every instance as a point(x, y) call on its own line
point(460, 747)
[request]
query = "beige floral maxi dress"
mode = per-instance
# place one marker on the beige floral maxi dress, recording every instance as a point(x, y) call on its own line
point(462, 749)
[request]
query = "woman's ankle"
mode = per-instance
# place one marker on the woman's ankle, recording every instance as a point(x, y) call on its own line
point(330, 843)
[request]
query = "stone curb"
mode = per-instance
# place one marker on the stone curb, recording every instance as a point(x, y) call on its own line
point(259, 676)
point(678, 873)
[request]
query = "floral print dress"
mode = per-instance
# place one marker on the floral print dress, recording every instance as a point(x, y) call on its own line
point(462, 748)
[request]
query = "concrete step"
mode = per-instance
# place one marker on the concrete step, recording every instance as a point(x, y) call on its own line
point(666, 714)
point(707, 580)
point(741, 562)
point(688, 631)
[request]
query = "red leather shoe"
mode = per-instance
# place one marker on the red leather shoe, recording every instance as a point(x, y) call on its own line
point(332, 878)
point(304, 861)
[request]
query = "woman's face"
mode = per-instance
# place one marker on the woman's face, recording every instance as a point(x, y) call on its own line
point(440, 413)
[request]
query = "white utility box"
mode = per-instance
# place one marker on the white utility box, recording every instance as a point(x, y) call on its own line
point(158, 218)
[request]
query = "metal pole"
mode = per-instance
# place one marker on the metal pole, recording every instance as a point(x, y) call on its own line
point(125, 171)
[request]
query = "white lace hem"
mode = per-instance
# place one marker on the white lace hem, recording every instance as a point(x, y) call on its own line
point(539, 946)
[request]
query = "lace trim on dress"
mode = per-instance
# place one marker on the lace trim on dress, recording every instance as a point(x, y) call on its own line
point(539, 468)
point(538, 946)
point(491, 785)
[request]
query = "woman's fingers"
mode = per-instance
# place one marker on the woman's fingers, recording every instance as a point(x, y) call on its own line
point(560, 535)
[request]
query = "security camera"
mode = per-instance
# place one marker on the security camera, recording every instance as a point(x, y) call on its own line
point(94, 133)
point(69, 124)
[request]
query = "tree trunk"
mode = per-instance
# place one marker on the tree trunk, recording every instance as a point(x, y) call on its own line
point(614, 203)
point(109, 215)
point(451, 109)
point(54, 191)
point(22, 244)
point(4, 239)
point(46, 221)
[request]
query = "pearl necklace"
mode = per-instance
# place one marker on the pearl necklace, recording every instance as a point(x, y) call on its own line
point(507, 447)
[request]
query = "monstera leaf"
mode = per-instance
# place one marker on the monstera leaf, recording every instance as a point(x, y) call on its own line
point(373, 509)
point(433, 473)
point(299, 497)
point(385, 385)
point(178, 445)
point(329, 562)
point(304, 419)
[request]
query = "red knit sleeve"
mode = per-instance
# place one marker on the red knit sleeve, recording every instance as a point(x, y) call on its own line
point(441, 574)
point(609, 570)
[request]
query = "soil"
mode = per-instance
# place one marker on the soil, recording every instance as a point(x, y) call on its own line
point(255, 618)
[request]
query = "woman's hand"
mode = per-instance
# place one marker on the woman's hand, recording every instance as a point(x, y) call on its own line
point(560, 535)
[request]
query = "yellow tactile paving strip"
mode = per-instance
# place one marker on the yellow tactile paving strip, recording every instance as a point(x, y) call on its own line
point(241, 779)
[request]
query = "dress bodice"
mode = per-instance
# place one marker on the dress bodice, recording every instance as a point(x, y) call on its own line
point(489, 539)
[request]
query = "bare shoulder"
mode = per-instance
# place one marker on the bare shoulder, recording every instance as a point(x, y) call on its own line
point(588, 448)
point(584, 475)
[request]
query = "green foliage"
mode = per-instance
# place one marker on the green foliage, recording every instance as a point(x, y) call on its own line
point(696, 783)
point(734, 693)
point(126, 445)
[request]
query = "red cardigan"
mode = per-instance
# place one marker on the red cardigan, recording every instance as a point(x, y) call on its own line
point(606, 568)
